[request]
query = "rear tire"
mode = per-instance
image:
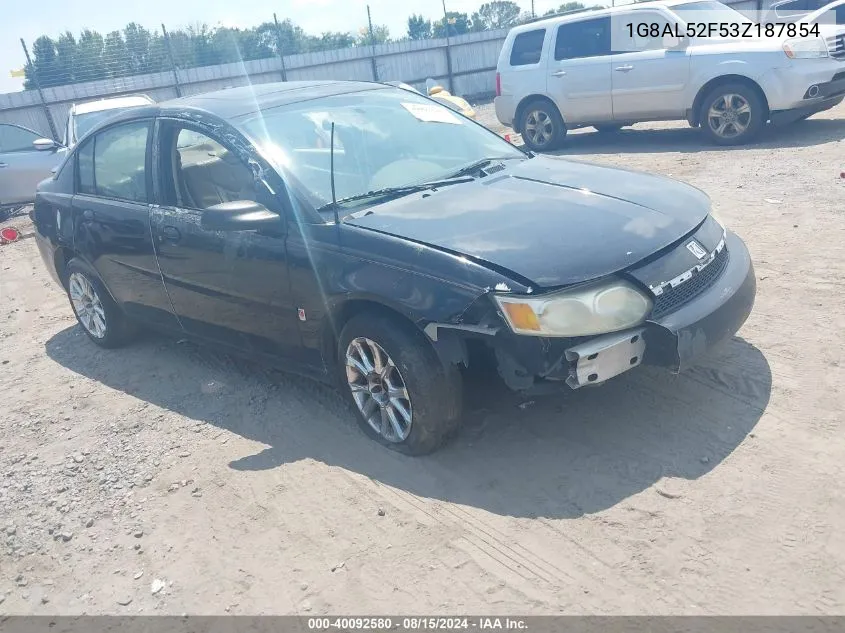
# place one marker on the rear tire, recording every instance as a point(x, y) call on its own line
point(403, 396)
point(100, 317)
point(541, 126)
point(733, 114)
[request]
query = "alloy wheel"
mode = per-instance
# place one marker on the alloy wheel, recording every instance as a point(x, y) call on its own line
point(378, 389)
point(87, 305)
point(729, 116)
point(539, 128)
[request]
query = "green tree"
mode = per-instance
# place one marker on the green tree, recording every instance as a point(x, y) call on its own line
point(329, 41)
point(88, 63)
point(566, 8)
point(65, 60)
point(138, 42)
point(498, 14)
point(294, 40)
point(381, 35)
point(115, 55)
point(43, 66)
point(458, 24)
point(419, 28)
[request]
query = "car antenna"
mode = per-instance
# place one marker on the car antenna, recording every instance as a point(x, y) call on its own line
point(331, 175)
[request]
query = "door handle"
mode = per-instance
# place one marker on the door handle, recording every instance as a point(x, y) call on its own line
point(171, 234)
point(623, 69)
point(3, 165)
point(559, 73)
point(88, 214)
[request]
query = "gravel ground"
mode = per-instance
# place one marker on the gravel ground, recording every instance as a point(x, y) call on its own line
point(167, 478)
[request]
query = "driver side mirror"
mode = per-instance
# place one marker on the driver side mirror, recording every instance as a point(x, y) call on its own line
point(239, 215)
point(45, 144)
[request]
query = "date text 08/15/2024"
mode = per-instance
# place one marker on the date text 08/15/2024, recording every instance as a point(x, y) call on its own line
point(417, 624)
point(722, 29)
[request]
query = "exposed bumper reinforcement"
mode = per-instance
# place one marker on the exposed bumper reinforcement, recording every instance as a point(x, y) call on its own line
point(603, 358)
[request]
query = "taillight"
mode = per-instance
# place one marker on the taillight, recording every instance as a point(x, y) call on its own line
point(498, 85)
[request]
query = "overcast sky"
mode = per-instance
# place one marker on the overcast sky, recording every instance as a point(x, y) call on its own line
point(51, 17)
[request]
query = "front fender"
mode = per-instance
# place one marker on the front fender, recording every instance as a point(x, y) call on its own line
point(354, 267)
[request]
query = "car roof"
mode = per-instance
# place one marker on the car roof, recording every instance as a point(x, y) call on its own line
point(231, 103)
point(111, 104)
point(592, 12)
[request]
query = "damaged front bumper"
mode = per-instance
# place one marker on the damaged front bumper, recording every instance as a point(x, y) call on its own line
point(675, 341)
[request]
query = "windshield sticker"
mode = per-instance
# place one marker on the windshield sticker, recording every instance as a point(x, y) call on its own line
point(431, 113)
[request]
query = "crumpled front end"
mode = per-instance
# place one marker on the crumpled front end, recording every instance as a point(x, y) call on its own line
point(701, 307)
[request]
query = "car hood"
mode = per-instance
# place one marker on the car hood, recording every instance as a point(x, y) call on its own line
point(552, 222)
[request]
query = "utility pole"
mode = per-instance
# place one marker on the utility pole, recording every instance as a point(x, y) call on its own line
point(172, 62)
point(448, 49)
point(279, 47)
point(533, 15)
point(47, 113)
point(372, 45)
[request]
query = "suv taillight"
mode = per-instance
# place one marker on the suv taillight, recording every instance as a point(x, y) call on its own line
point(498, 85)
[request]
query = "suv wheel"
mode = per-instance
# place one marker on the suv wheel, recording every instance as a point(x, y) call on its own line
point(541, 126)
point(732, 114)
point(403, 396)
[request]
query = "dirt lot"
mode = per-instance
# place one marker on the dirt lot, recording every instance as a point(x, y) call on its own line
point(165, 478)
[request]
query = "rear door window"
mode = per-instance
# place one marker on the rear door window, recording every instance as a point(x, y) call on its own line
point(528, 48)
point(585, 38)
point(113, 164)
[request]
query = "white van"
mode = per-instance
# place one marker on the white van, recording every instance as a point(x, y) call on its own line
point(593, 68)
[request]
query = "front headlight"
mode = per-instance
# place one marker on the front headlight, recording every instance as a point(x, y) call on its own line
point(805, 49)
point(597, 308)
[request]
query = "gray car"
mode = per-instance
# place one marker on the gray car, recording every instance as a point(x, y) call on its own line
point(26, 158)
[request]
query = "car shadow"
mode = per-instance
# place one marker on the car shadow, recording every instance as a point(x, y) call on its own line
point(559, 456)
point(685, 139)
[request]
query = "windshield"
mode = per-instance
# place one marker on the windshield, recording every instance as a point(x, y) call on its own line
point(708, 11)
point(82, 123)
point(384, 138)
point(832, 15)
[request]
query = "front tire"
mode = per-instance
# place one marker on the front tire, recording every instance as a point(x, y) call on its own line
point(100, 317)
point(541, 126)
point(733, 114)
point(403, 396)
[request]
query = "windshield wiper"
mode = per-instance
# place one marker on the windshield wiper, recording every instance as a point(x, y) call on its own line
point(391, 192)
point(478, 164)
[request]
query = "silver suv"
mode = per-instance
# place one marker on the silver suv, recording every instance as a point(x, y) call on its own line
point(600, 68)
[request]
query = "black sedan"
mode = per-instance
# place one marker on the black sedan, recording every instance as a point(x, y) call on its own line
point(368, 236)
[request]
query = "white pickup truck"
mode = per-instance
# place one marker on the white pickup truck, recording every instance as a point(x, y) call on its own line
point(601, 68)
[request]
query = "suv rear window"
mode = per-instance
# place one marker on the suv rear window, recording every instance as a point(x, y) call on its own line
point(585, 38)
point(528, 48)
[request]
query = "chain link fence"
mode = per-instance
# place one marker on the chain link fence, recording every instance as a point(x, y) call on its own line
point(459, 49)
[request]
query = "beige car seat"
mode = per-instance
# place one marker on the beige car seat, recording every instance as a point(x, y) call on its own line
point(210, 175)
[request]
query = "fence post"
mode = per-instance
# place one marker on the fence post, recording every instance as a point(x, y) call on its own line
point(372, 46)
point(172, 62)
point(47, 112)
point(448, 49)
point(279, 48)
